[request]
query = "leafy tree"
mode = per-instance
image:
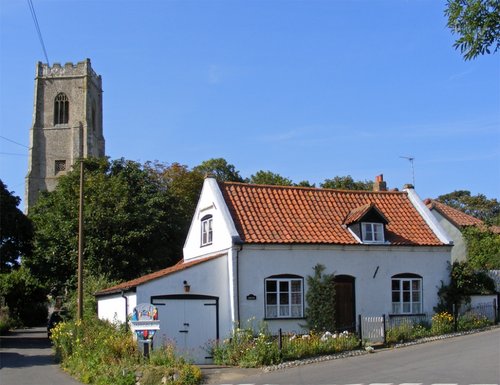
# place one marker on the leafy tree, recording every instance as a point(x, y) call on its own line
point(25, 296)
point(183, 184)
point(347, 183)
point(269, 178)
point(305, 183)
point(477, 23)
point(478, 206)
point(320, 298)
point(220, 169)
point(130, 223)
point(16, 231)
point(483, 248)
point(92, 284)
point(464, 281)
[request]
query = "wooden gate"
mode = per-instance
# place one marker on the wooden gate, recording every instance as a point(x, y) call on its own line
point(372, 329)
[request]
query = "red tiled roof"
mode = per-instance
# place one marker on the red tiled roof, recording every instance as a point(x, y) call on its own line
point(181, 265)
point(358, 213)
point(300, 215)
point(457, 217)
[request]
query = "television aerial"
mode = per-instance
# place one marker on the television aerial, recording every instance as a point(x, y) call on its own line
point(411, 159)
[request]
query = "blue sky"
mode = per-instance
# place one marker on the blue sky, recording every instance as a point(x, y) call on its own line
point(307, 89)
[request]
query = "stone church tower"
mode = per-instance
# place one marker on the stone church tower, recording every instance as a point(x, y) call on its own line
point(67, 124)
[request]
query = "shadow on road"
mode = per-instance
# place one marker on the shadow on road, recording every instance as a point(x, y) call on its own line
point(25, 348)
point(16, 360)
point(24, 340)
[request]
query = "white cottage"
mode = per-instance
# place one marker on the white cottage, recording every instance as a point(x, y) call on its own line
point(454, 221)
point(251, 247)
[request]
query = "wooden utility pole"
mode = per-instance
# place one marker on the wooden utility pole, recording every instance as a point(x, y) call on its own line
point(79, 315)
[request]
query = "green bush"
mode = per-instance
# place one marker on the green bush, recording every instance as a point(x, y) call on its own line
point(98, 352)
point(407, 331)
point(400, 333)
point(442, 323)
point(5, 321)
point(25, 296)
point(470, 321)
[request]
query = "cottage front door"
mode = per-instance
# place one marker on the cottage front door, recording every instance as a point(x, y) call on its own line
point(345, 303)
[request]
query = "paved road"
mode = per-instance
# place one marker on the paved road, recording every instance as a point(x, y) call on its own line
point(26, 358)
point(471, 359)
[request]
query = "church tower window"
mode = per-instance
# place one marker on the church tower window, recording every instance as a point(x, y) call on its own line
point(61, 109)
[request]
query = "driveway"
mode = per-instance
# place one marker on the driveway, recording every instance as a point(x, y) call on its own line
point(26, 358)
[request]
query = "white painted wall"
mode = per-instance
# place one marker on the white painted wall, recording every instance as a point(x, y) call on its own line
point(208, 278)
point(459, 250)
point(112, 307)
point(373, 294)
point(487, 299)
point(211, 202)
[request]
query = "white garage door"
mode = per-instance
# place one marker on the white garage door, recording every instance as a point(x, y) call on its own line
point(190, 322)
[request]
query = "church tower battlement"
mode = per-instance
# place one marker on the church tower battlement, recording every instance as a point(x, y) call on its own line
point(67, 124)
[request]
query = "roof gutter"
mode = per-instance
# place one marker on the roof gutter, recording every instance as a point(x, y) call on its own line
point(126, 309)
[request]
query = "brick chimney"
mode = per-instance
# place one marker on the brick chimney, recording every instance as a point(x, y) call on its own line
point(379, 184)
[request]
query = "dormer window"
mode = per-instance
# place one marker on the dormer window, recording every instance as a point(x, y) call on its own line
point(367, 224)
point(206, 230)
point(372, 232)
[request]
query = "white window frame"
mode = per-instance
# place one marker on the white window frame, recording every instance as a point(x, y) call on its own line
point(288, 297)
point(407, 296)
point(206, 230)
point(372, 232)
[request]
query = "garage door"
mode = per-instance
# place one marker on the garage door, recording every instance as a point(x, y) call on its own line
point(190, 322)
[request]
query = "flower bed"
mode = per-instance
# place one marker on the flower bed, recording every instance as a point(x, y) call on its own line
point(246, 350)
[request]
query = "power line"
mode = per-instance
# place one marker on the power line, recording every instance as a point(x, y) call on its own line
point(23, 145)
point(12, 153)
point(37, 26)
point(13, 141)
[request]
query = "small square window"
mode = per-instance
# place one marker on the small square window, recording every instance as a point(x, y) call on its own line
point(406, 295)
point(373, 232)
point(59, 166)
point(284, 298)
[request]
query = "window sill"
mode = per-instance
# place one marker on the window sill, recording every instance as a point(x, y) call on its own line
point(284, 318)
point(407, 315)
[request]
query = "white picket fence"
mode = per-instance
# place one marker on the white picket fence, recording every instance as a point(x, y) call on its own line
point(372, 329)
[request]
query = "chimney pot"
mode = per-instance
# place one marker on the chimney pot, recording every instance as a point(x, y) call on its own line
point(379, 184)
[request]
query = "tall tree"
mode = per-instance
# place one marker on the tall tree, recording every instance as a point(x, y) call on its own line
point(130, 225)
point(347, 183)
point(183, 184)
point(16, 231)
point(26, 297)
point(269, 178)
point(477, 23)
point(478, 206)
point(320, 298)
point(220, 169)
